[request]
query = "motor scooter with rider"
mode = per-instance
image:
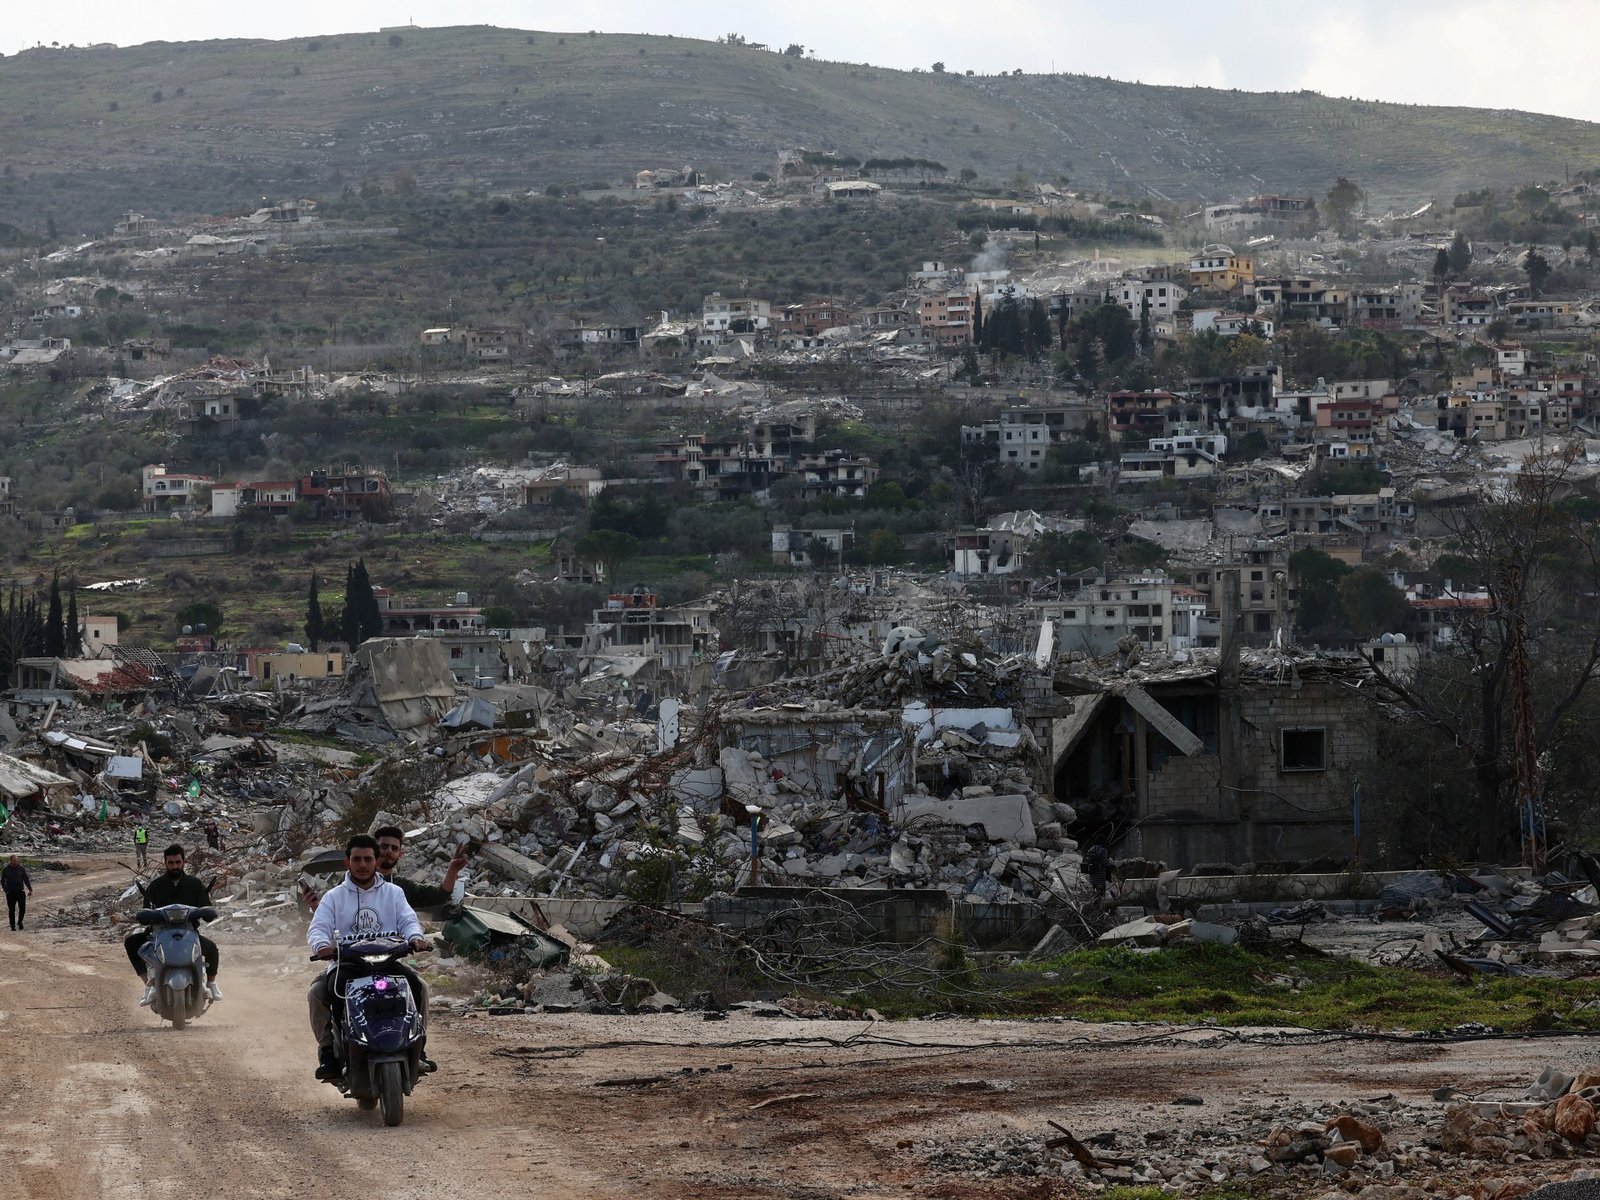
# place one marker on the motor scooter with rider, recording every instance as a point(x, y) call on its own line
point(175, 961)
point(378, 1032)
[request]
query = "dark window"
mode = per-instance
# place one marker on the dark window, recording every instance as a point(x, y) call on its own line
point(1304, 749)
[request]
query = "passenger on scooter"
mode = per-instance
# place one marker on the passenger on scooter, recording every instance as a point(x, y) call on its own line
point(174, 887)
point(391, 847)
point(363, 907)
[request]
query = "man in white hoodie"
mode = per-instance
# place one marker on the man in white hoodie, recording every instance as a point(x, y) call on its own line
point(364, 906)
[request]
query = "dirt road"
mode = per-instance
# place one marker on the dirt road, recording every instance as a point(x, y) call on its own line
point(98, 1099)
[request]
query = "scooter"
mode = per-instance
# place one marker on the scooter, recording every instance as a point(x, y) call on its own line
point(378, 1030)
point(177, 969)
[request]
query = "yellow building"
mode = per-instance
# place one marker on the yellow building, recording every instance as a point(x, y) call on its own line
point(1217, 267)
point(293, 665)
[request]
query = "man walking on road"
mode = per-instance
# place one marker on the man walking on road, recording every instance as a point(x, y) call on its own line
point(141, 846)
point(17, 886)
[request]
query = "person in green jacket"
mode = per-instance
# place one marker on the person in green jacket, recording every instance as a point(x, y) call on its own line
point(175, 886)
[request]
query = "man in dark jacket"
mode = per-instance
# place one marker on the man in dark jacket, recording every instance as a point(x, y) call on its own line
point(17, 886)
point(174, 887)
point(391, 845)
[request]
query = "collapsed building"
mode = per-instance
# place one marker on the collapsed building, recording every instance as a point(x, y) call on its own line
point(1205, 761)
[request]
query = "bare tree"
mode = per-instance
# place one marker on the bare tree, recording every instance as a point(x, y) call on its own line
point(972, 479)
point(1539, 563)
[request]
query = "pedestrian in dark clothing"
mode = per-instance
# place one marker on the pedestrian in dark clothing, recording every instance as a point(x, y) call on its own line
point(17, 886)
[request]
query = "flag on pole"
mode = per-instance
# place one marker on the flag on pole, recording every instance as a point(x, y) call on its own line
point(105, 812)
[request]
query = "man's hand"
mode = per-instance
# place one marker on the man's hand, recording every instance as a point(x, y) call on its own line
point(308, 895)
point(454, 870)
point(324, 951)
point(419, 944)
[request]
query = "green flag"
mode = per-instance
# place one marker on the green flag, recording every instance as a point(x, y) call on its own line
point(5, 814)
point(104, 811)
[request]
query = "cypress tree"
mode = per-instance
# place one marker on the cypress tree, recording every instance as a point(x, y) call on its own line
point(371, 615)
point(314, 627)
point(55, 637)
point(74, 633)
point(350, 617)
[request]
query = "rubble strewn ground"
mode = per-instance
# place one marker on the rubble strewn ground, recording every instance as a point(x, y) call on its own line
point(875, 836)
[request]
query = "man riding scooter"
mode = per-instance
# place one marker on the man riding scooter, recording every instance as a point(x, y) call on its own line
point(363, 907)
point(173, 887)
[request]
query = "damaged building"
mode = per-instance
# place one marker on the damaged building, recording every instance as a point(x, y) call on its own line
point(1198, 762)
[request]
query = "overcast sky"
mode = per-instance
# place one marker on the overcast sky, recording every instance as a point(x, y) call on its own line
point(1484, 53)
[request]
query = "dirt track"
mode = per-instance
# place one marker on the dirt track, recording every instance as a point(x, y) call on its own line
point(98, 1099)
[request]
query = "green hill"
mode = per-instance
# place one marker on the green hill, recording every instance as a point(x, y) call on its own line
point(204, 126)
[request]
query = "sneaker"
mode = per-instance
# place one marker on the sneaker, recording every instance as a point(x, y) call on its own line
point(216, 994)
point(328, 1064)
point(428, 1065)
point(149, 995)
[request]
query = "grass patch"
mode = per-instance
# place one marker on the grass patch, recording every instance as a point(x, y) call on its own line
point(685, 968)
point(1225, 985)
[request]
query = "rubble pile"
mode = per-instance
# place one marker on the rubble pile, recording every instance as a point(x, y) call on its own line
point(1384, 1149)
point(1522, 925)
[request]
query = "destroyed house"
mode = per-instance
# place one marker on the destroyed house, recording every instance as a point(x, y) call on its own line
point(730, 467)
point(852, 758)
point(635, 623)
point(1188, 764)
point(399, 621)
point(1379, 512)
point(78, 681)
point(348, 492)
point(835, 473)
point(1143, 414)
point(1252, 582)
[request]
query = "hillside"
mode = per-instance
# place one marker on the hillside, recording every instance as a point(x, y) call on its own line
point(205, 126)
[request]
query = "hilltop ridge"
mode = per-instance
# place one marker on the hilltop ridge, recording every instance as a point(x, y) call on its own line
point(202, 126)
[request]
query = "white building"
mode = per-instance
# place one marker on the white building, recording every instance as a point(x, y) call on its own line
point(1162, 297)
point(719, 314)
point(1231, 324)
point(98, 635)
point(162, 489)
point(1094, 618)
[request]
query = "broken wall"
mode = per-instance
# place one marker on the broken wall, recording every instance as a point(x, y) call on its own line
point(822, 752)
point(1278, 788)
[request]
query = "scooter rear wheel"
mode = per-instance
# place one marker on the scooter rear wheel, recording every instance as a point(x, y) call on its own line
point(391, 1092)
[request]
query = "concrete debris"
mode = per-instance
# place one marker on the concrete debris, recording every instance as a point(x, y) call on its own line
point(1379, 1149)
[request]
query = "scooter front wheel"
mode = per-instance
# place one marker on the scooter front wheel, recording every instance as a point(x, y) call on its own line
point(391, 1092)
